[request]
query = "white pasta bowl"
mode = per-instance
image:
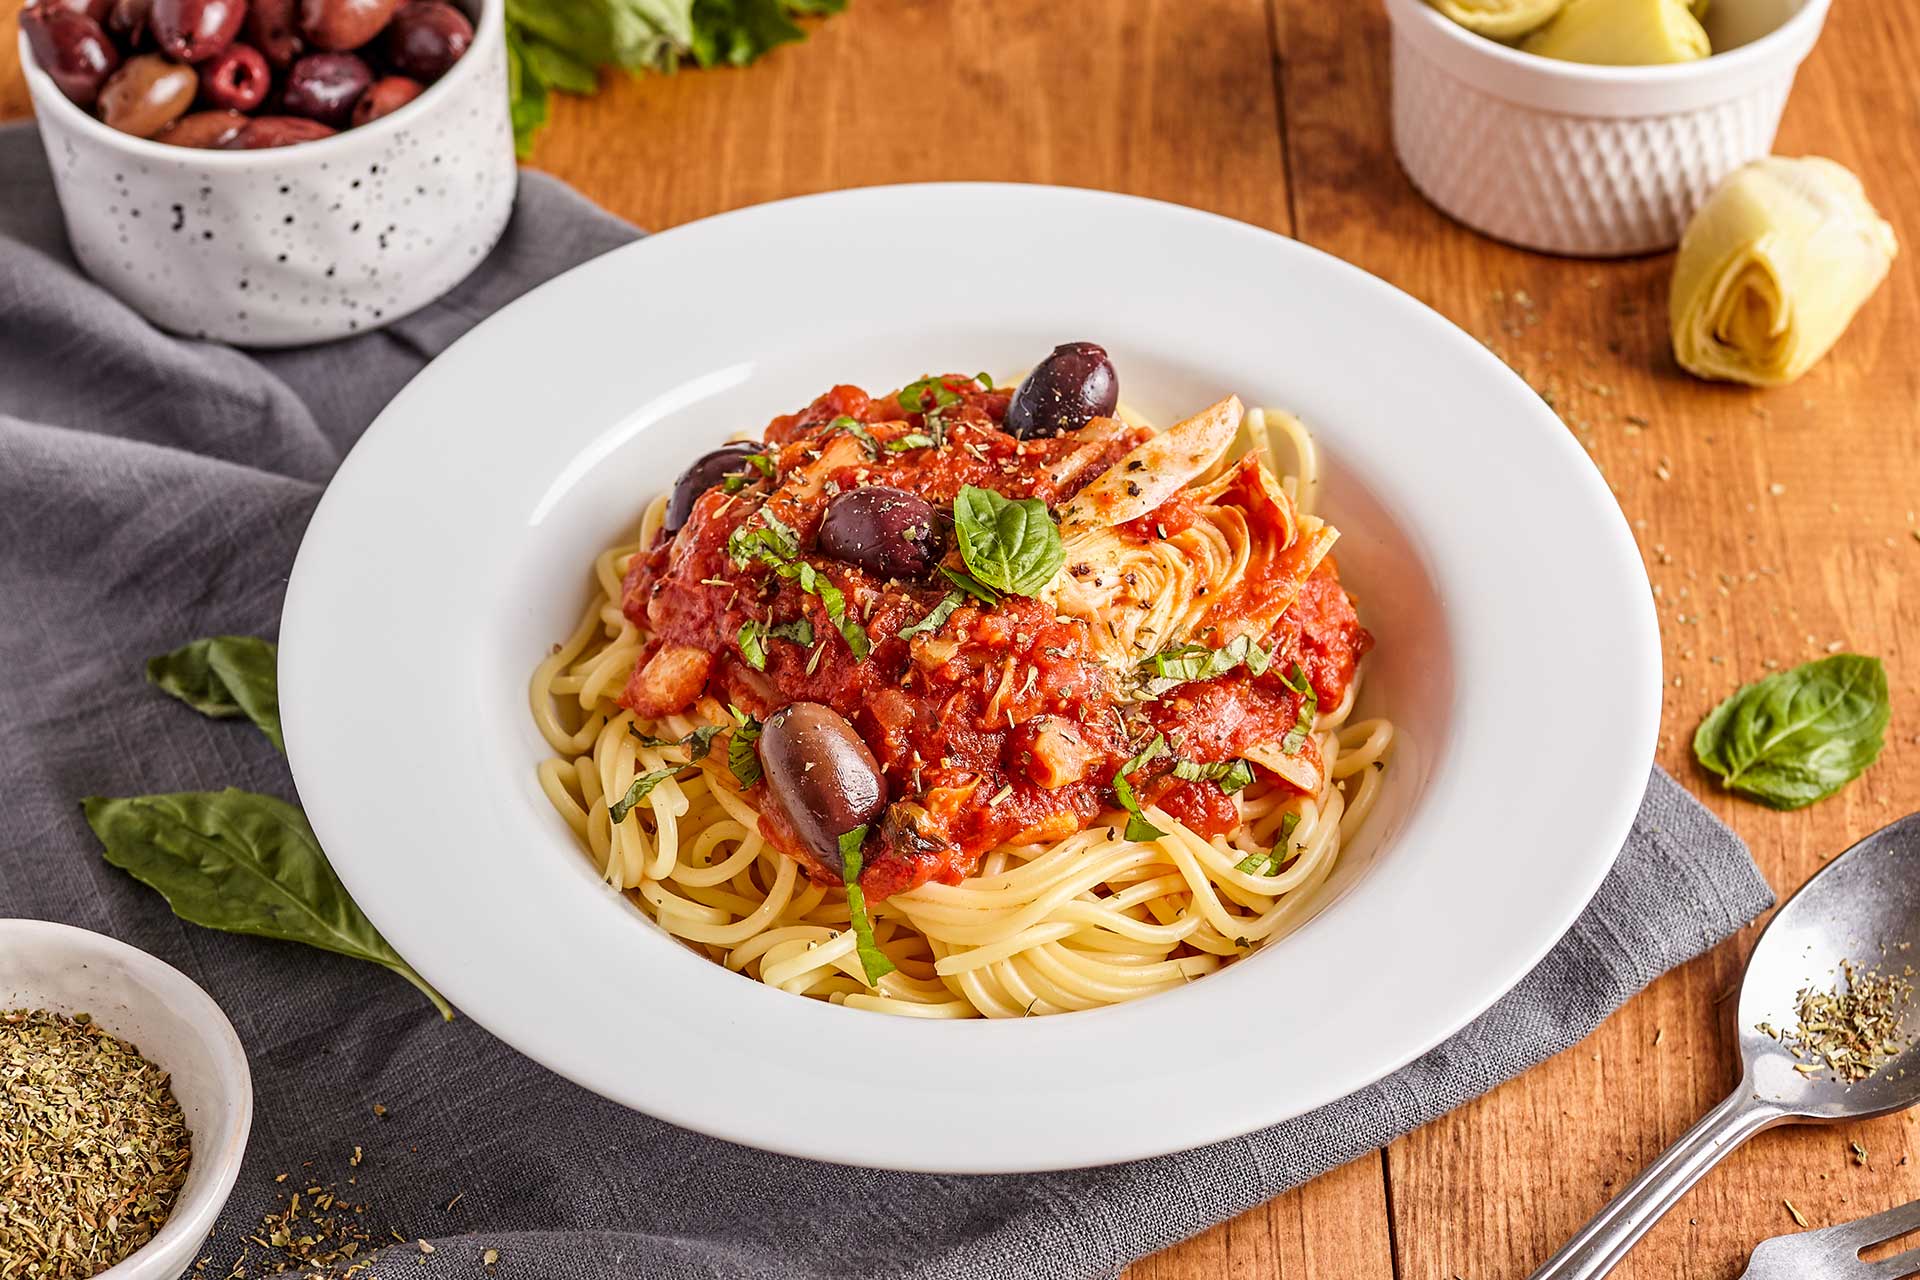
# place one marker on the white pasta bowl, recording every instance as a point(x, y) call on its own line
point(1588, 161)
point(174, 1024)
point(1517, 651)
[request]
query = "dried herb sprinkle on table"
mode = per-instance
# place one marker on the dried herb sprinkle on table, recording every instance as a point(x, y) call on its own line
point(93, 1147)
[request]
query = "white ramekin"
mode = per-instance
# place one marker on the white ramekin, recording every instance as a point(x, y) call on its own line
point(293, 244)
point(1584, 160)
point(173, 1023)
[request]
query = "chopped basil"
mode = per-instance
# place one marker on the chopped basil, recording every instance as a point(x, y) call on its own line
point(742, 758)
point(985, 380)
point(972, 586)
point(926, 394)
point(1188, 662)
point(1303, 719)
point(771, 541)
point(873, 961)
point(937, 618)
point(1011, 544)
point(1276, 857)
point(911, 440)
point(1232, 775)
point(754, 637)
point(844, 425)
point(1799, 735)
point(639, 789)
point(1138, 828)
point(698, 743)
point(763, 461)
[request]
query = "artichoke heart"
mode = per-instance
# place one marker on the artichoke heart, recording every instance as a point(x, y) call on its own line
point(1500, 19)
point(1622, 33)
point(1772, 269)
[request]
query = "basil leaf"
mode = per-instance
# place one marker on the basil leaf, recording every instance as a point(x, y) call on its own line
point(700, 741)
point(243, 863)
point(1188, 662)
point(935, 619)
point(873, 961)
point(844, 425)
point(770, 540)
point(1138, 828)
point(911, 440)
point(1276, 857)
point(763, 462)
point(1232, 775)
point(1800, 735)
point(639, 789)
point(742, 758)
point(812, 581)
point(972, 586)
point(927, 394)
point(1010, 544)
point(1303, 717)
point(225, 676)
point(752, 650)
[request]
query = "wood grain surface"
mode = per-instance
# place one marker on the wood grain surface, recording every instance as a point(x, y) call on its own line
point(1775, 525)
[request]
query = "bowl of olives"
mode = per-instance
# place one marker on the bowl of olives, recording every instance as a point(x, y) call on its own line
point(274, 172)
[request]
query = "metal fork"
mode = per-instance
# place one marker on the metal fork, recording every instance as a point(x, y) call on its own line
point(1833, 1253)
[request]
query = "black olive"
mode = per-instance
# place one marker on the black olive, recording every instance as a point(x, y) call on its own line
point(1066, 391)
point(821, 774)
point(886, 531)
point(707, 471)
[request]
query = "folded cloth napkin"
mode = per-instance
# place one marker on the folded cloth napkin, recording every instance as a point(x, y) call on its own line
point(153, 490)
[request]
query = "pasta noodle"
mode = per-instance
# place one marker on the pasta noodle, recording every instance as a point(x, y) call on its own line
point(1077, 923)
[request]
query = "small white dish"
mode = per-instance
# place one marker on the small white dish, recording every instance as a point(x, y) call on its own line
point(173, 1023)
point(296, 244)
point(1518, 654)
point(1584, 160)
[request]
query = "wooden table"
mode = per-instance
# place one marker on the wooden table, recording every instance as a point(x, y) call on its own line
point(1774, 524)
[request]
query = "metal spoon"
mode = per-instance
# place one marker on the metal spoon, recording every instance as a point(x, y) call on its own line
point(1864, 907)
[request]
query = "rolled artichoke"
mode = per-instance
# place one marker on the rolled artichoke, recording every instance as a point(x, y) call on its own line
point(1772, 269)
point(1622, 33)
point(1500, 19)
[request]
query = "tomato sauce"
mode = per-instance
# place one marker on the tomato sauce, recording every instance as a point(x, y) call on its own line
point(998, 726)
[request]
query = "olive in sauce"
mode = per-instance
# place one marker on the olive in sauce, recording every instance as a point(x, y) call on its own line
point(821, 774)
point(886, 531)
point(1070, 388)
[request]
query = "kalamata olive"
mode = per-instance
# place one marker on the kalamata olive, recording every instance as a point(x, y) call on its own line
point(386, 95)
point(324, 87)
point(821, 775)
point(195, 30)
point(338, 25)
point(147, 94)
point(202, 129)
point(236, 78)
point(272, 28)
point(1067, 390)
point(128, 20)
point(72, 49)
point(275, 131)
point(95, 9)
point(426, 38)
point(886, 531)
point(708, 470)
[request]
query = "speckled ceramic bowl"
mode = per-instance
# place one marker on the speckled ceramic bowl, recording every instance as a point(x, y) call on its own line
point(293, 244)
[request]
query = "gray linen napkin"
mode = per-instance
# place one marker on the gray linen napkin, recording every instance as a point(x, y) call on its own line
point(153, 489)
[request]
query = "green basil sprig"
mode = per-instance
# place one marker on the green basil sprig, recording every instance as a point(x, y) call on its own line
point(1800, 735)
point(224, 676)
point(243, 863)
point(1010, 544)
point(873, 961)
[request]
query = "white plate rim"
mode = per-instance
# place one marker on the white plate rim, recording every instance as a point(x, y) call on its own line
point(1041, 1126)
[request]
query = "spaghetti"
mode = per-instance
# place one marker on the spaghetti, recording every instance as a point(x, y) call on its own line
point(1066, 902)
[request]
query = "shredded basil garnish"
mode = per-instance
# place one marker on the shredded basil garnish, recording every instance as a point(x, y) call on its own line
point(1232, 775)
point(873, 961)
point(771, 541)
point(972, 586)
point(1276, 857)
point(639, 789)
point(1010, 544)
point(1188, 662)
point(927, 393)
point(937, 618)
point(1138, 828)
point(1309, 708)
point(763, 461)
point(754, 637)
point(844, 425)
point(911, 440)
point(742, 757)
point(698, 743)
point(778, 546)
